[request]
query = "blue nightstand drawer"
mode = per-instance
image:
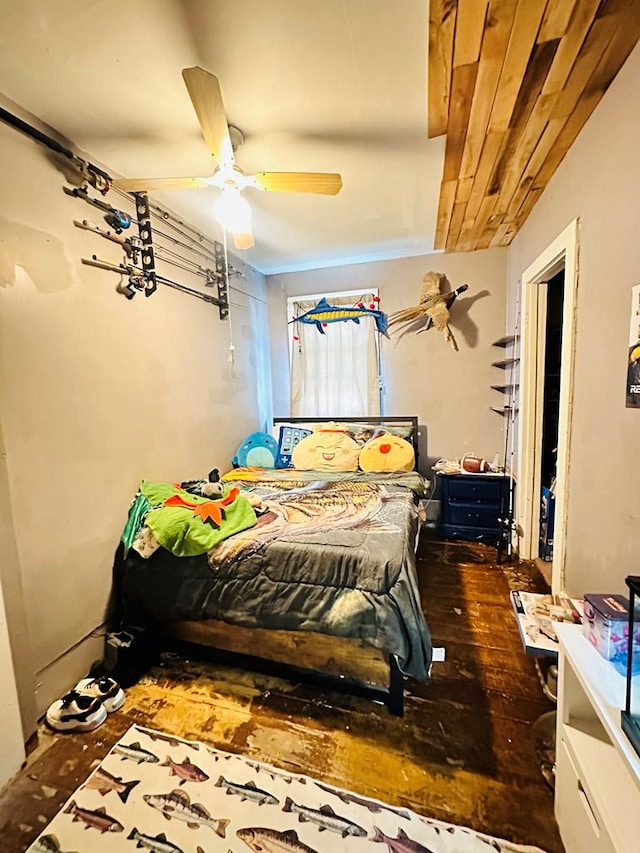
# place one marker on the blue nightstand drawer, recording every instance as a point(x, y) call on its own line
point(474, 515)
point(471, 489)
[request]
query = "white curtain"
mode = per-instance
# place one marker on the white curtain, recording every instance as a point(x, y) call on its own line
point(335, 374)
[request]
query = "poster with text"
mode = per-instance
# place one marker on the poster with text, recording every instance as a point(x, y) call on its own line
point(633, 361)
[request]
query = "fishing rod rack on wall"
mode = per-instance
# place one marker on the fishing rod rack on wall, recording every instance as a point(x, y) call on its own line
point(138, 273)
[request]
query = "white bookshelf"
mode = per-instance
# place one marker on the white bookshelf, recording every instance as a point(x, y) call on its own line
point(597, 789)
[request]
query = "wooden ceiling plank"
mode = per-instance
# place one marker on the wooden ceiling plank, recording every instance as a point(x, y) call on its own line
point(527, 207)
point(622, 33)
point(470, 21)
point(566, 137)
point(556, 19)
point(594, 47)
point(526, 146)
point(494, 44)
point(493, 146)
point(534, 78)
point(462, 91)
point(456, 225)
point(626, 37)
point(547, 140)
point(445, 211)
point(463, 191)
point(442, 23)
point(503, 235)
point(521, 42)
point(484, 231)
point(570, 45)
point(466, 240)
point(543, 131)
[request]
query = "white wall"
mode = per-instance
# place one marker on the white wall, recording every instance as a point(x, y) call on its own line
point(97, 392)
point(598, 182)
point(449, 391)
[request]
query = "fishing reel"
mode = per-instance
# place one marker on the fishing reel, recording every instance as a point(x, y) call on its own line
point(118, 220)
point(134, 284)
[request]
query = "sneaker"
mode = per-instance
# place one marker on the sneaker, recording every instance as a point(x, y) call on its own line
point(104, 688)
point(76, 713)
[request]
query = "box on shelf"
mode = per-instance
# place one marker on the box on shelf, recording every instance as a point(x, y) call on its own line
point(606, 626)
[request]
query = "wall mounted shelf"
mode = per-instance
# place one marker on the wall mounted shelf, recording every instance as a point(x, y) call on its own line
point(508, 389)
point(504, 342)
point(505, 388)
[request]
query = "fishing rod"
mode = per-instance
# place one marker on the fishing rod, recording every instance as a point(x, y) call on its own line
point(102, 181)
point(118, 219)
point(188, 265)
point(139, 281)
point(132, 247)
point(506, 520)
point(95, 176)
point(168, 218)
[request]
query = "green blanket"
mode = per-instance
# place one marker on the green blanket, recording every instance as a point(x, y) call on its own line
point(180, 531)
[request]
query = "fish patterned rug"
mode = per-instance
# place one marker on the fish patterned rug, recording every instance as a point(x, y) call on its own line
point(159, 793)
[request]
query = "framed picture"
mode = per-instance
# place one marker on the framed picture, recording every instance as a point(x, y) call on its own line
point(633, 360)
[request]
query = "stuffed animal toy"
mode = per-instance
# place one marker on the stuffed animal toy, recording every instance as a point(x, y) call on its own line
point(326, 450)
point(259, 450)
point(210, 488)
point(387, 452)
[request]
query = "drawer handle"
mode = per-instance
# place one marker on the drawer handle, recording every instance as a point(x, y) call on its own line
point(587, 807)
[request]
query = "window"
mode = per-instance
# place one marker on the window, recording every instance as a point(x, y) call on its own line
point(336, 374)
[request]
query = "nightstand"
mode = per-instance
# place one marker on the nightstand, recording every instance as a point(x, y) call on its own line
point(471, 505)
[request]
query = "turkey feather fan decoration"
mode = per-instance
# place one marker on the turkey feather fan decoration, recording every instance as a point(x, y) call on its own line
point(436, 298)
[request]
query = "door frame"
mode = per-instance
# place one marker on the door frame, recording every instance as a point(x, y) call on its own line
point(562, 252)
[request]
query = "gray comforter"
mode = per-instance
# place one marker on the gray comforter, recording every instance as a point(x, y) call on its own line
point(336, 557)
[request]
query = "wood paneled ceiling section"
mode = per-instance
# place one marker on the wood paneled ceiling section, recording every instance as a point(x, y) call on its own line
point(511, 83)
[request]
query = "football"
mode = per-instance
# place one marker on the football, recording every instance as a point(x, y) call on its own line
point(473, 464)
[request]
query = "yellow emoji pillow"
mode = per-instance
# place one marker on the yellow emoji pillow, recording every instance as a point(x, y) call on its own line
point(387, 453)
point(326, 450)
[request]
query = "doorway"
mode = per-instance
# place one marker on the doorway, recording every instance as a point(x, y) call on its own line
point(548, 297)
point(550, 413)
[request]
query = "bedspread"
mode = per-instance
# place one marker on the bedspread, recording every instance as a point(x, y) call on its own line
point(332, 557)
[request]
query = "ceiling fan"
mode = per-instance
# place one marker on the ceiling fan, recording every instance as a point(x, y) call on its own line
point(232, 209)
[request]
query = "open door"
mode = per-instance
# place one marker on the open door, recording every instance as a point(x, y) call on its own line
point(560, 256)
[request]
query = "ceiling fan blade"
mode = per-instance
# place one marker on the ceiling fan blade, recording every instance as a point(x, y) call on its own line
point(204, 91)
point(142, 184)
point(326, 183)
point(243, 239)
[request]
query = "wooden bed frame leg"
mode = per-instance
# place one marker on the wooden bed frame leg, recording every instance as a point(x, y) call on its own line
point(395, 698)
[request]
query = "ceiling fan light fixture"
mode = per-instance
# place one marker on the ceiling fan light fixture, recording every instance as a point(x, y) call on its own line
point(233, 211)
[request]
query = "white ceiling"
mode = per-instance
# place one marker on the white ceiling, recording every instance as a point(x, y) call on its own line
point(315, 85)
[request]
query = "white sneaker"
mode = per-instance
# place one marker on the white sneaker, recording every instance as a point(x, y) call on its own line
point(76, 713)
point(104, 688)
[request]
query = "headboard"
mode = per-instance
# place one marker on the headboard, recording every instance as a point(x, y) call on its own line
point(408, 422)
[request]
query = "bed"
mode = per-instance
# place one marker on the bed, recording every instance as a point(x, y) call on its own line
point(326, 577)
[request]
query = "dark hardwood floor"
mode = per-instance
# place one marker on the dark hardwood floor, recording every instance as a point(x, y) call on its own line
point(464, 752)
